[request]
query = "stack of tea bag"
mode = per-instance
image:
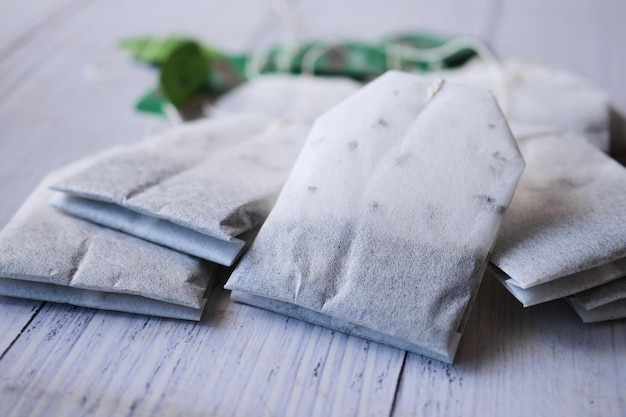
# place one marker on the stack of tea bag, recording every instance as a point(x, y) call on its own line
point(47, 255)
point(605, 302)
point(170, 203)
point(565, 232)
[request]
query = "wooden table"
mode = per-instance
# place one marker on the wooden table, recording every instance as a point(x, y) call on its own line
point(65, 93)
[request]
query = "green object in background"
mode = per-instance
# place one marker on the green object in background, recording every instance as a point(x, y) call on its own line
point(184, 73)
point(189, 69)
point(357, 60)
point(154, 50)
point(152, 102)
point(427, 52)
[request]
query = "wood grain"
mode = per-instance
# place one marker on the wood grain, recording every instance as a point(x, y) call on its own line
point(15, 315)
point(237, 361)
point(521, 362)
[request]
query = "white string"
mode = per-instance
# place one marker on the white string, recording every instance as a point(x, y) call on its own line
point(290, 38)
point(289, 44)
point(396, 53)
point(312, 55)
point(172, 114)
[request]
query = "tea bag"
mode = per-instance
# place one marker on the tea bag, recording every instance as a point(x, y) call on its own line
point(282, 95)
point(197, 189)
point(383, 228)
point(534, 94)
point(564, 232)
point(49, 256)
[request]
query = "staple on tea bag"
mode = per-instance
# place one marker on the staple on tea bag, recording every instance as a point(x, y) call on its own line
point(385, 223)
point(563, 232)
point(199, 196)
point(534, 94)
point(282, 95)
point(50, 256)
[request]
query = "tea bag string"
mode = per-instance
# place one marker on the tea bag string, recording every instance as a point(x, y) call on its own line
point(289, 24)
point(395, 53)
point(506, 81)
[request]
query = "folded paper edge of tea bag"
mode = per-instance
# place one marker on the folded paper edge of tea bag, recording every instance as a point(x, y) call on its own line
point(163, 232)
point(221, 218)
point(343, 326)
point(558, 288)
point(127, 303)
point(611, 311)
point(602, 294)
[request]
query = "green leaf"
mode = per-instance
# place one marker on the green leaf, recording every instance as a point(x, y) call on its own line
point(184, 73)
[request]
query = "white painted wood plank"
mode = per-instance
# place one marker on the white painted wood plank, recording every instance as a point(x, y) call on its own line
point(238, 361)
point(21, 17)
point(15, 314)
point(540, 361)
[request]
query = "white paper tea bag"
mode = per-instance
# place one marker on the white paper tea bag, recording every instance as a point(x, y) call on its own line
point(196, 189)
point(298, 97)
point(564, 231)
point(534, 94)
point(385, 224)
point(49, 256)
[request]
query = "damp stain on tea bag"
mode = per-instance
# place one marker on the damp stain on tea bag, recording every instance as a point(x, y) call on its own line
point(383, 230)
